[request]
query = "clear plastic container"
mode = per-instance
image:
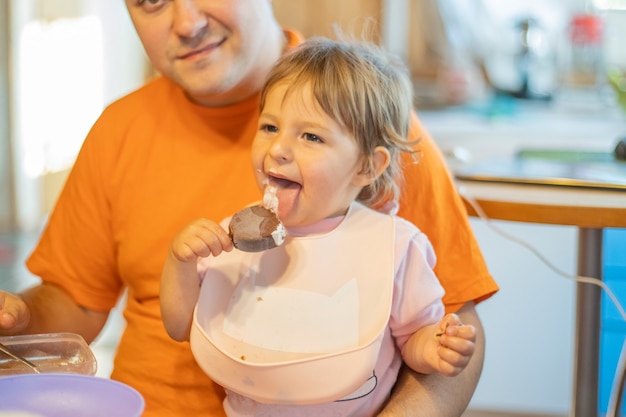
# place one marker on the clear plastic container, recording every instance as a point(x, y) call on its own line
point(50, 353)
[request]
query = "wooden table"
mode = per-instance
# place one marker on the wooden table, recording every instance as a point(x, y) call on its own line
point(590, 210)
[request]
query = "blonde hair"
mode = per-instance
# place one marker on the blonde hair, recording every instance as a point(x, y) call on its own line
point(362, 89)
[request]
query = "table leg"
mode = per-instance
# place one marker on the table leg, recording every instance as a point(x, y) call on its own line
point(587, 343)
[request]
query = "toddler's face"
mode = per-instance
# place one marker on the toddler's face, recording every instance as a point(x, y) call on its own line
point(314, 163)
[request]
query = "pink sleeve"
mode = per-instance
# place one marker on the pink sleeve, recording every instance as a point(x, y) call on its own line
point(417, 292)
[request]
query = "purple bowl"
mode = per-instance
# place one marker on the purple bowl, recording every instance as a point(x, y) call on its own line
point(64, 395)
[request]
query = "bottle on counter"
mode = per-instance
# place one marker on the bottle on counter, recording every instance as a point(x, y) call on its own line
point(583, 74)
point(584, 65)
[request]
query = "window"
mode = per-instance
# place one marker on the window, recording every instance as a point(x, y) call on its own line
point(610, 4)
point(60, 90)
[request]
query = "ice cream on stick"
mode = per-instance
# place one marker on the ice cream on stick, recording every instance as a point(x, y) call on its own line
point(257, 228)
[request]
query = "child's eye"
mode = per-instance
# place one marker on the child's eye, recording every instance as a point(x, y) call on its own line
point(312, 137)
point(269, 128)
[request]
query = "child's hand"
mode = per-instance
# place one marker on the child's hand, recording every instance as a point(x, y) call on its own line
point(200, 239)
point(456, 345)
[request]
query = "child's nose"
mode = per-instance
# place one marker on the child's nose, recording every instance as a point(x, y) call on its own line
point(280, 149)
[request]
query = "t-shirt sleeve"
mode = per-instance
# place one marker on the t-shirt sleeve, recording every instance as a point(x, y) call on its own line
point(76, 250)
point(417, 292)
point(430, 201)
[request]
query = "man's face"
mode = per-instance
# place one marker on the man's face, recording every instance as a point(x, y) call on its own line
point(219, 51)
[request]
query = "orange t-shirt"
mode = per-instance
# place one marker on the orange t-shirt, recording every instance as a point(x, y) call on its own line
point(152, 163)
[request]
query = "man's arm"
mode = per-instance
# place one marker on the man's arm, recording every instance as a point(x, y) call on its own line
point(436, 395)
point(47, 308)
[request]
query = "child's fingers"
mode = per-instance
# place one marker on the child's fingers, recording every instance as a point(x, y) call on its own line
point(447, 321)
point(459, 339)
point(451, 363)
point(213, 244)
point(458, 345)
point(200, 239)
point(452, 320)
point(466, 331)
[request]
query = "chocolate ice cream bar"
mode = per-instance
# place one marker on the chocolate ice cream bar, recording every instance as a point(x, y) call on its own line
point(256, 229)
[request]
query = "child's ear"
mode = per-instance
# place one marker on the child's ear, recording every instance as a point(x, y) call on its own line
point(374, 167)
point(380, 161)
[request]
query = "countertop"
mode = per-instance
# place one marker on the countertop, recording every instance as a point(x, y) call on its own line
point(480, 131)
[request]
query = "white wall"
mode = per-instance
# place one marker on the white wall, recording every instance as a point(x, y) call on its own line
point(530, 323)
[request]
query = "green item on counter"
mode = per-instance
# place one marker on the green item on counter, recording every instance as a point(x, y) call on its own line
point(560, 155)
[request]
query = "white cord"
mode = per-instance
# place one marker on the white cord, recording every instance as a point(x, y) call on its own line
point(578, 278)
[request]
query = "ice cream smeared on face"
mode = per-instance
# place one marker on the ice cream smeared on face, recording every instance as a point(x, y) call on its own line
point(270, 202)
point(281, 194)
point(270, 199)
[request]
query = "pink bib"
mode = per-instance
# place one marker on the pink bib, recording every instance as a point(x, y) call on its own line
point(301, 323)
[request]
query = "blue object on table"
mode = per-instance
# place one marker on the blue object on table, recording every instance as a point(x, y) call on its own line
point(65, 395)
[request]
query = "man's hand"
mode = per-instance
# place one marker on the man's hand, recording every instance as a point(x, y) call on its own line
point(47, 308)
point(14, 314)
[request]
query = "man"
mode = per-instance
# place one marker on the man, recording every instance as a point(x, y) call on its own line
point(190, 131)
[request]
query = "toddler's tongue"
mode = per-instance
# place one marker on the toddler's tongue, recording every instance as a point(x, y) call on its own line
point(280, 196)
point(287, 199)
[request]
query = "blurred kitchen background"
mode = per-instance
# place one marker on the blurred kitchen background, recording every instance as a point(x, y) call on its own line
point(490, 77)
